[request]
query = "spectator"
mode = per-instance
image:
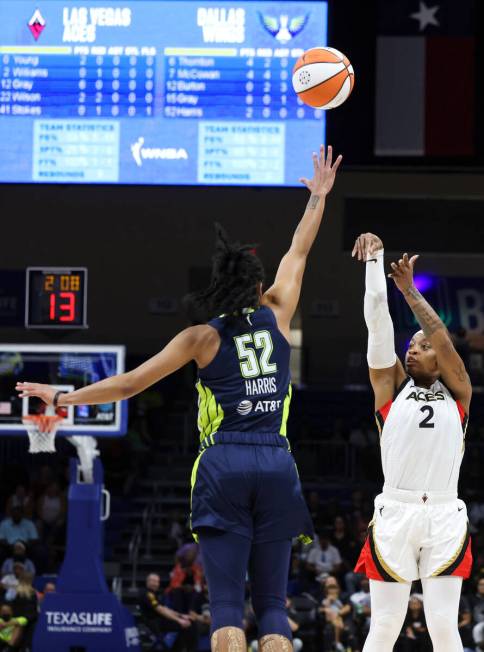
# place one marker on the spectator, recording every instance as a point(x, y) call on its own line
point(478, 636)
point(49, 587)
point(51, 512)
point(17, 528)
point(200, 612)
point(415, 633)
point(11, 629)
point(25, 602)
point(20, 498)
point(326, 558)
point(19, 555)
point(11, 581)
point(361, 604)
point(294, 623)
point(335, 611)
point(465, 627)
point(476, 602)
point(186, 578)
point(161, 620)
point(352, 579)
point(341, 539)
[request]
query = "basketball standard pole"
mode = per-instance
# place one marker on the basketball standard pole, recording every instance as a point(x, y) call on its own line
point(83, 615)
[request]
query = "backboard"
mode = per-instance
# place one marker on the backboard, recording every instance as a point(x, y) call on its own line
point(67, 367)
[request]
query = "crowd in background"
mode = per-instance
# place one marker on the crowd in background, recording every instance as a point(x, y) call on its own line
point(328, 604)
point(32, 539)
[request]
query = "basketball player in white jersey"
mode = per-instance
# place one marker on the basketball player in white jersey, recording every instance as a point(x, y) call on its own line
point(420, 527)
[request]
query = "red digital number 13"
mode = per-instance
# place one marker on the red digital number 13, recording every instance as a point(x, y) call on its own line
point(68, 307)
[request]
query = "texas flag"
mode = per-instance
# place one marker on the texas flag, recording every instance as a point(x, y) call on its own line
point(425, 81)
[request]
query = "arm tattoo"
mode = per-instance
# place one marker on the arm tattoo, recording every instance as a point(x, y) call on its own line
point(460, 373)
point(424, 313)
point(313, 201)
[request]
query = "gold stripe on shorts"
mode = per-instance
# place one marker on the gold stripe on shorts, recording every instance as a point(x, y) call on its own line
point(445, 566)
point(382, 562)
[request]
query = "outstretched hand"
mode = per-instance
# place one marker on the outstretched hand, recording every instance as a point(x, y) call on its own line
point(324, 172)
point(366, 245)
point(402, 272)
point(44, 392)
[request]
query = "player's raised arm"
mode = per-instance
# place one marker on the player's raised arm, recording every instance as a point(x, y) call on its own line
point(450, 363)
point(386, 370)
point(283, 296)
point(181, 349)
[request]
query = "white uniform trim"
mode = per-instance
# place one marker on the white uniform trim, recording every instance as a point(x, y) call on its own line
point(422, 439)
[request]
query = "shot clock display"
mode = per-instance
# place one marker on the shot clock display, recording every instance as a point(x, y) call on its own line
point(56, 297)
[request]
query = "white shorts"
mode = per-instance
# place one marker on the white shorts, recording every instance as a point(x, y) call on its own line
point(416, 534)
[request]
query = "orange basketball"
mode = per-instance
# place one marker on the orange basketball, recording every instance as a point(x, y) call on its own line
point(323, 78)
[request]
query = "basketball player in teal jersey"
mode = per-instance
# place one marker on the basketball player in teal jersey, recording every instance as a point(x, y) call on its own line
point(246, 501)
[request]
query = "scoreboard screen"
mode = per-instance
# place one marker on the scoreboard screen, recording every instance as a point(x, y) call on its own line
point(156, 92)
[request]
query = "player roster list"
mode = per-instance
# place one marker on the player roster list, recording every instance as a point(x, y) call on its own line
point(156, 92)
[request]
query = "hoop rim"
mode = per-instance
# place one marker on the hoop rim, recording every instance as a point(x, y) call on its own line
point(40, 420)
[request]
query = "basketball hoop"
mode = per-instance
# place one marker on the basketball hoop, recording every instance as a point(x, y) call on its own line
point(41, 429)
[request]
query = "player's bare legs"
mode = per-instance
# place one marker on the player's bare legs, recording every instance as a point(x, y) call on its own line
point(389, 604)
point(441, 606)
point(229, 639)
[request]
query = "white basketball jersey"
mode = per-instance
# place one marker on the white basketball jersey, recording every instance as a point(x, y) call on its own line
point(422, 438)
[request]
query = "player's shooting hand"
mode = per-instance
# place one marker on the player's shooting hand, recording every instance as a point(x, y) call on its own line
point(366, 245)
point(44, 392)
point(324, 172)
point(402, 272)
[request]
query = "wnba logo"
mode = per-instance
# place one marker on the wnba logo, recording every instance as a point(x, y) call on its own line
point(140, 152)
point(244, 408)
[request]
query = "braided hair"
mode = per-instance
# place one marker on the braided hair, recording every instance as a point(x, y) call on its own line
point(236, 271)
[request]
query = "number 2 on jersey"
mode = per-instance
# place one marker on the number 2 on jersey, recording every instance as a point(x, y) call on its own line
point(426, 423)
point(250, 365)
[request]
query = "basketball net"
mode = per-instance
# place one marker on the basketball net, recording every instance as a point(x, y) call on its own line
point(41, 429)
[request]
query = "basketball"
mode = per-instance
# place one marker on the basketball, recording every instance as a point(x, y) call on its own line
point(323, 78)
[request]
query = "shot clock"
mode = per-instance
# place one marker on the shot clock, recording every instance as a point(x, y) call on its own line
point(56, 297)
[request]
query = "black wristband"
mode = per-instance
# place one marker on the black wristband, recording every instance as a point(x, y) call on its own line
point(56, 398)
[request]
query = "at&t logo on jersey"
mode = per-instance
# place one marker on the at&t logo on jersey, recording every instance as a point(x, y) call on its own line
point(244, 408)
point(426, 396)
point(222, 25)
point(267, 406)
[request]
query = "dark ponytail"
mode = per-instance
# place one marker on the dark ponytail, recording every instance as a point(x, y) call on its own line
point(236, 271)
